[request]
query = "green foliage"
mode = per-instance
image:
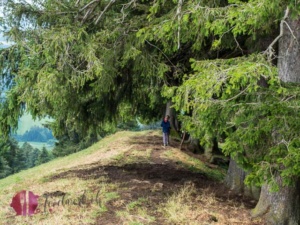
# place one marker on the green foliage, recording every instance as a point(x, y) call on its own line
point(5, 169)
point(31, 154)
point(13, 159)
point(228, 99)
point(71, 142)
point(44, 156)
point(97, 65)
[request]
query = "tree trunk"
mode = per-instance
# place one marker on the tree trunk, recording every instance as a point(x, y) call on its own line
point(289, 52)
point(235, 181)
point(235, 177)
point(283, 207)
point(194, 145)
point(173, 119)
point(279, 208)
point(212, 148)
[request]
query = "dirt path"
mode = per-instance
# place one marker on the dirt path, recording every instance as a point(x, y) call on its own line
point(150, 181)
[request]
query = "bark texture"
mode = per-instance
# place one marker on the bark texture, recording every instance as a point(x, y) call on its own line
point(235, 177)
point(235, 181)
point(289, 52)
point(283, 207)
point(279, 208)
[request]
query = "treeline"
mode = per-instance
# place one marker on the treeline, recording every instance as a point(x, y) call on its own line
point(13, 158)
point(73, 141)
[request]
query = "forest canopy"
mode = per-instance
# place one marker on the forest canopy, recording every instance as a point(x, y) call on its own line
point(227, 67)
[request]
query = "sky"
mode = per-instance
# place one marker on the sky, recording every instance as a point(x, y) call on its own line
point(3, 41)
point(26, 122)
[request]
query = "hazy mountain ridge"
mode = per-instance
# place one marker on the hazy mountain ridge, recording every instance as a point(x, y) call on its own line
point(35, 134)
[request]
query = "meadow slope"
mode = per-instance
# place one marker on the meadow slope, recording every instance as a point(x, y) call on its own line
point(127, 178)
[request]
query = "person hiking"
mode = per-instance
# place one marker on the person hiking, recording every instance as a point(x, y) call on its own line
point(165, 124)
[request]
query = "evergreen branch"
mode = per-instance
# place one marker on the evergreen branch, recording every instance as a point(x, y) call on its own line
point(126, 6)
point(238, 44)
point(161, 52)
point(129, 4)
point(87, 5)
point(61, 13)
point(105, 9)
point(288, 98)
point(60, 3)
point(269, 50)
point(86, 15)
point(178, 13)
point(234, 97)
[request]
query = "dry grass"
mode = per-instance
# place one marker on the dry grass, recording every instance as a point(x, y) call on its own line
point(37, 180)
point(133, 201)
point(193, 164)
point(135, 213)
point(188, 206)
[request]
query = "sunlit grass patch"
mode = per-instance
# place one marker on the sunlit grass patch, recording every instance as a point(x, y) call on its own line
point(135, 204)
point(198, 207)
point(193, 164)
point(135, 213)
point(138, 156)
point(184, 208)
point(135, 156)
point(178, 208)
point(118, 158)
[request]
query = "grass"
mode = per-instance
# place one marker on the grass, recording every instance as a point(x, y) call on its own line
point(194, 164)
point(134, 156)
point(38, 180)
point(135, 213)
point(188, 206)
point(88, 200)
point(135, 204)
point(178, 207)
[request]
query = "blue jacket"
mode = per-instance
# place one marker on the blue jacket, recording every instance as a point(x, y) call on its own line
point(165, 126)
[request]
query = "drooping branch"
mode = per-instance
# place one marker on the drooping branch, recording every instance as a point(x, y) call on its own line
point(87, 5)
point(162, 53)
point(76, 4)
point(89, 11)
point(105, 9)
point(126, 6)
point(270, 49)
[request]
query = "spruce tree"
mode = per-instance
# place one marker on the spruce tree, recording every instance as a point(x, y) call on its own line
point(43, 157)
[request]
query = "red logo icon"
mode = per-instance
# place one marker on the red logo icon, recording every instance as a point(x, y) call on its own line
point(24, 203)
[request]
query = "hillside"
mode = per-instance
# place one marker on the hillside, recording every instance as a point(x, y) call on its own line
point(127, 178)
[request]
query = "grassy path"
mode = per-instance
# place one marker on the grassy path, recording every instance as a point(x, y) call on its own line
point(127, 178)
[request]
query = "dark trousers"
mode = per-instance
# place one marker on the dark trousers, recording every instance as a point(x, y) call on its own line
point(166, 138)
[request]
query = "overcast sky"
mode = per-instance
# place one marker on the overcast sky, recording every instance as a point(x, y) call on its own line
point(3, 41)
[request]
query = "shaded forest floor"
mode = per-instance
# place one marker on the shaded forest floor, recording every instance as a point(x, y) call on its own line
point(135, 180)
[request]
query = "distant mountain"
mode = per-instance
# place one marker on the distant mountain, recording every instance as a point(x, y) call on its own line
point(35, 134)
